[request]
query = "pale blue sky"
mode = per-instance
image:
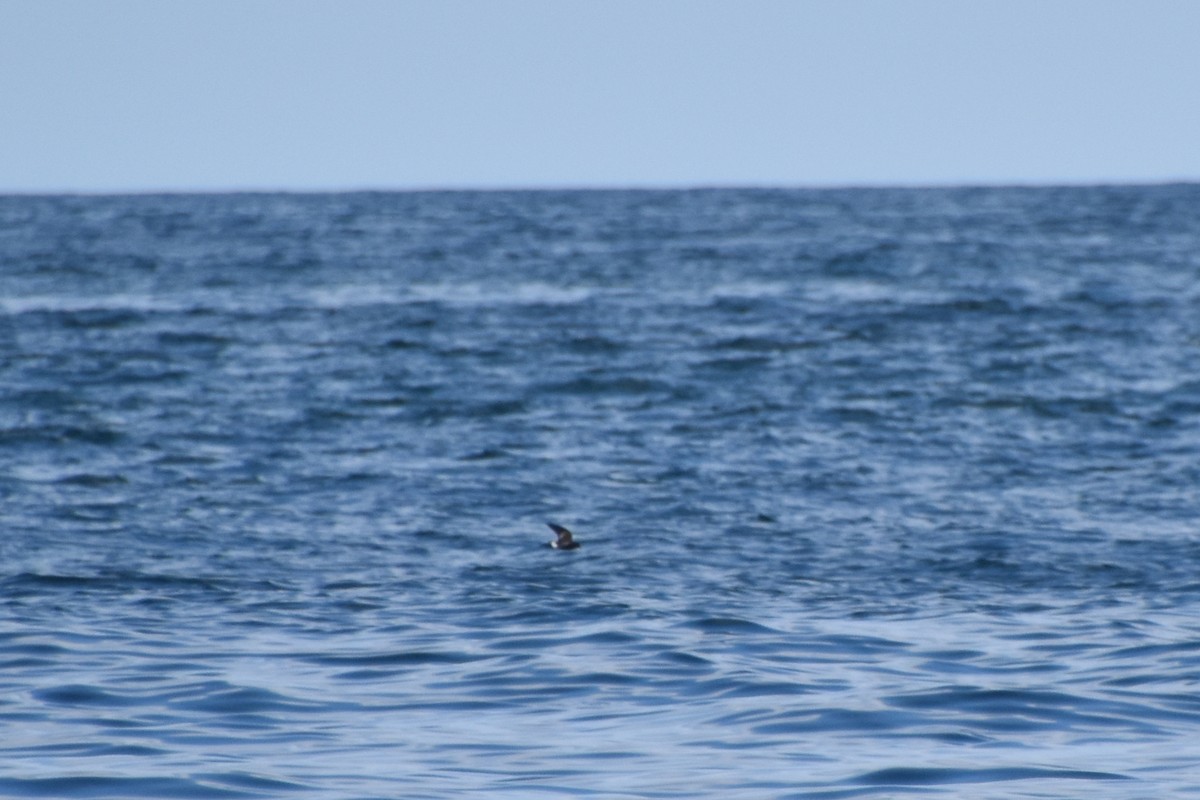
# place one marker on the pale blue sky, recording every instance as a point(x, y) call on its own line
point(104, 95)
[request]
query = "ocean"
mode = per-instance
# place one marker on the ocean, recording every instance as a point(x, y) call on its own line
point(881, 493)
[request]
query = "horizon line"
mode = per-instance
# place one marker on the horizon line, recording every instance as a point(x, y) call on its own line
point(699, 186)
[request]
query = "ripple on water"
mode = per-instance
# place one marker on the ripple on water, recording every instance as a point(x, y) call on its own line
point(927, 776)
point(214, 785)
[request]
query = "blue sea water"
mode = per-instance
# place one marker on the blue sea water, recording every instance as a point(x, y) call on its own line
point(882, 493)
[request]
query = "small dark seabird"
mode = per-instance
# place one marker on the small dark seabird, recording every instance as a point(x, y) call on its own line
point(565, 540)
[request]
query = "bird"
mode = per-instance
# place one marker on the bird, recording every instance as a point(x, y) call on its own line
point(565, 540)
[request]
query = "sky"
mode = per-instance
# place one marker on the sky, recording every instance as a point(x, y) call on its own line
point(169, 95)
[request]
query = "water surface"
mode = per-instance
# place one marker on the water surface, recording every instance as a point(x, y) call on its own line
point(882, 493)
